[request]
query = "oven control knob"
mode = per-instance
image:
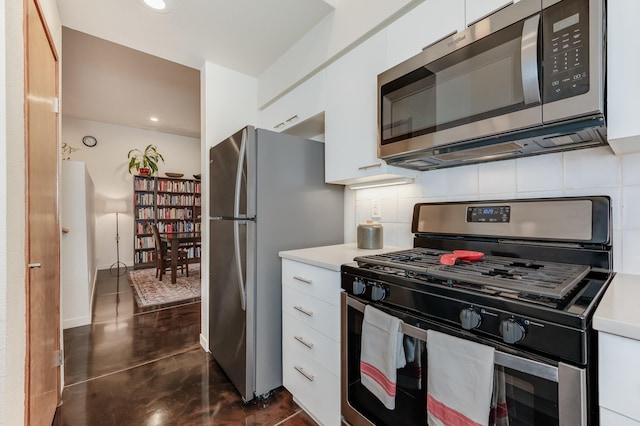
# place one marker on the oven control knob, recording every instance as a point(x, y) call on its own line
point(470, 319)
point(512, 331)
point(359, 287)
point(378, 293)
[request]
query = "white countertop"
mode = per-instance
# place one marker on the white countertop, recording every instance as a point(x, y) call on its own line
point(332, 257)
point(618, 311)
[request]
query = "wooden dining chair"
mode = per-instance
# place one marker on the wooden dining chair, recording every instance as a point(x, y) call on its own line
point(163, 256)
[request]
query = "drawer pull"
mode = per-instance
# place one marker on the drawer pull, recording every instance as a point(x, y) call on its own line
point(304, 311)
point(304, 342)
point(290, 119)
point(308, 376)
point(304, 280)
point(371, 166)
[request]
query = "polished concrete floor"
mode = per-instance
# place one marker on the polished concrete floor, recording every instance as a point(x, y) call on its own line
point(133, 367)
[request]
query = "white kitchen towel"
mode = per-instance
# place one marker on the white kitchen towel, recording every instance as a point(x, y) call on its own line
point(459, 381)
point(381, 354)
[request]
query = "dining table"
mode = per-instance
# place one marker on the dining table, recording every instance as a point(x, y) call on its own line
point(174, 240)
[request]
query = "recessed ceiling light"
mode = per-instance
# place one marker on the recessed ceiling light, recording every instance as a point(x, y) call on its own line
point(162, 6)
point(154, 119)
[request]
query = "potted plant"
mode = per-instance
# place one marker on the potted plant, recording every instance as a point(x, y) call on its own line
point(145, 162)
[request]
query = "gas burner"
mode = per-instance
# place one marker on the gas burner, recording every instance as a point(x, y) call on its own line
point(524, 276)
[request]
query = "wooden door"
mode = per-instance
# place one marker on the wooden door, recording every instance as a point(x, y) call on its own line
point(43, 230)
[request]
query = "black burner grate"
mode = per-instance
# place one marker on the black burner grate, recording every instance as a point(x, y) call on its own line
point(531, 277)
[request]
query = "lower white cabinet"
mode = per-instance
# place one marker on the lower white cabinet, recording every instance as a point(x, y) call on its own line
point(619, 380)
point(311, 339)
point(610, 418)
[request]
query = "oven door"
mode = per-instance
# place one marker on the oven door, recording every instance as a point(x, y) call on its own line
point(538, 392)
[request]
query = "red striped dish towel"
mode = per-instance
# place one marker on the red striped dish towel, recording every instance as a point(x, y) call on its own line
point(459, 381)
point(381, 354)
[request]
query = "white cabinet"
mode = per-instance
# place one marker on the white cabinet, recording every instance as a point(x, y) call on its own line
point(611, 418)
point(623, 84)
point(301, 103)
point(351, 118)
point(619, 379)
point(477, 9)
point(311, 339)
point(427, 23)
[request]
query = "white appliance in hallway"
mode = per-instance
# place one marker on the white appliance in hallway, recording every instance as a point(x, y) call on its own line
point(267, 194)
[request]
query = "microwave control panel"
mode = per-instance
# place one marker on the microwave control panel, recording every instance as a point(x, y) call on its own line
point(565, 29)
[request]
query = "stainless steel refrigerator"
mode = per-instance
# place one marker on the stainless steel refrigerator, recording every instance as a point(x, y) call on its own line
point(267, 194)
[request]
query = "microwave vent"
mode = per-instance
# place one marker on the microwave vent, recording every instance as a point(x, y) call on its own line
point(483, 151)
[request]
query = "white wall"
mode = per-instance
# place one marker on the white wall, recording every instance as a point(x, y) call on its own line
point(108, 165)
point(77, 252)
point(593, 171)
point(228, 103)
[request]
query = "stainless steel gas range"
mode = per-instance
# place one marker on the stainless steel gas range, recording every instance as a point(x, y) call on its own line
point(523, 276)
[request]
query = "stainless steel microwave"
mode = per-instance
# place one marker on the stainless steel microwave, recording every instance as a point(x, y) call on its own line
point(528, 79)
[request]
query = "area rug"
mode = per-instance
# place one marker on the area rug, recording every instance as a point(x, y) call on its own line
point(149, 291)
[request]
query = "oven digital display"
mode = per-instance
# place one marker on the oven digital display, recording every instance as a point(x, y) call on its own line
point(491, 214)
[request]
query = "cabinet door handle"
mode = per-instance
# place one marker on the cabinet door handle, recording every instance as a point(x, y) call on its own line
point(304, 280)
point(300, 370)
point(277, 126)
point(35, 265)
point(304, 342)
point(304, 311)
point(291, 118)
point(370, 166)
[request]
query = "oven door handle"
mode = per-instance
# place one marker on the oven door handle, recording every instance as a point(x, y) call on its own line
point(524, 365)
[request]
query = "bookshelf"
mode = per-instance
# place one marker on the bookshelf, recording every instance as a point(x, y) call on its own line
point(173, 204)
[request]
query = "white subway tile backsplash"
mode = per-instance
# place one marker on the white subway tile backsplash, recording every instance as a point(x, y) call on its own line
point(405, 209)
point(539, 173)
point(389, 207)
point(631, 169)
point(616, 242)
point(591, 168)
point(631, 252)
point(631, 207)
point(540, 194)
point(461, 181)
point(576, 173)
point(434, 183)
point(497, 178)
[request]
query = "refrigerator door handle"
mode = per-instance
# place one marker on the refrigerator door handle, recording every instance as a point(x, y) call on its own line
point(236, 224)
point(236, 241)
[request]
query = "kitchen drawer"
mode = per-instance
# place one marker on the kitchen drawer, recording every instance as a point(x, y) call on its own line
point(312, 344)
point(610, 418)
point(313, 312)
point(619, 375)
point(318, 392)
point(317, 282)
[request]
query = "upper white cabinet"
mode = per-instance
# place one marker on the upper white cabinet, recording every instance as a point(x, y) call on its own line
point(427, 23)
point(476, 9)
point(301, 103)
point(351, 153)
point(623, 84)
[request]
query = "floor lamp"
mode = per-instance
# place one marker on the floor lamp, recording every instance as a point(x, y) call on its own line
point(116, 206)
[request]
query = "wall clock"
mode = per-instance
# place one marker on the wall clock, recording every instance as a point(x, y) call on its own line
point(89, 141)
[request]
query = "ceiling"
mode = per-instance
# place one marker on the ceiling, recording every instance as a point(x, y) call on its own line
point(123, 63)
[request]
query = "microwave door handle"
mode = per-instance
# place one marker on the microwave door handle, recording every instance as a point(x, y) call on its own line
point(529, 60)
